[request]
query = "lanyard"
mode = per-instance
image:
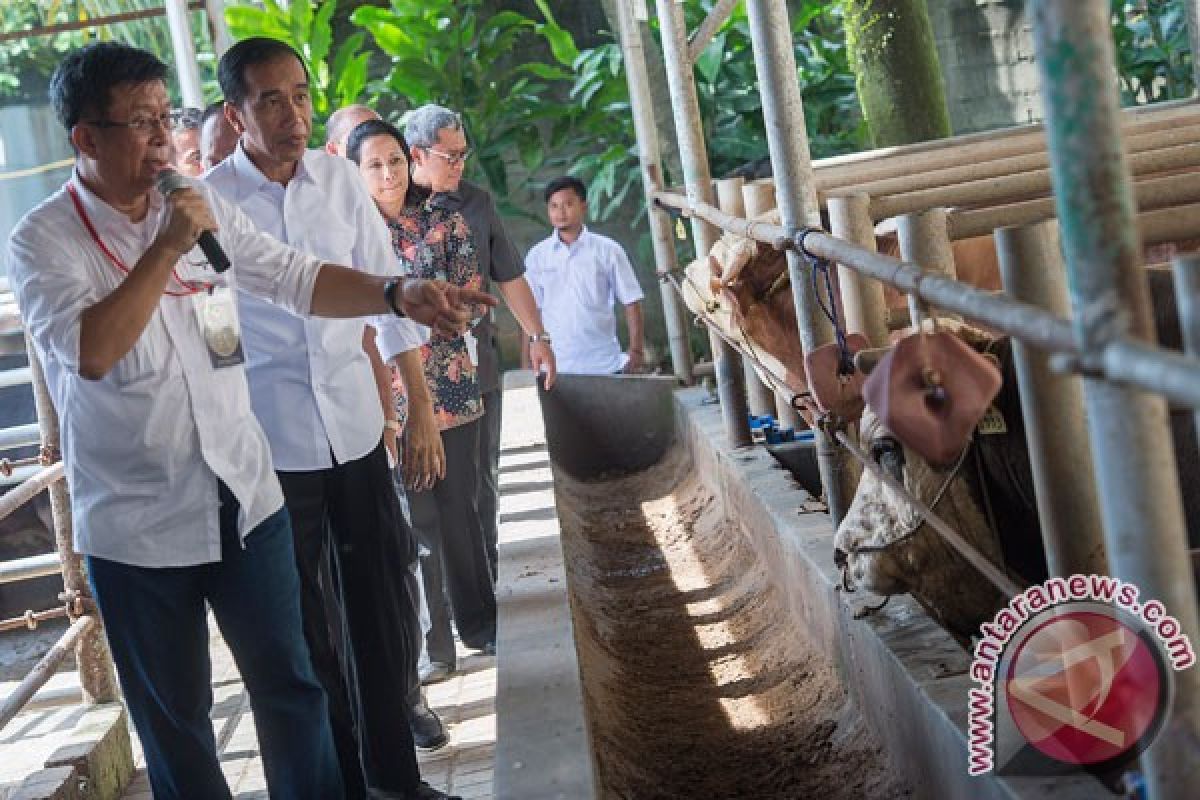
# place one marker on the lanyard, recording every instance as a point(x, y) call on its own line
point(191, 289)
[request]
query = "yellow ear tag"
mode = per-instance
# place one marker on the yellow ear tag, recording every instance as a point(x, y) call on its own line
point(680, 231)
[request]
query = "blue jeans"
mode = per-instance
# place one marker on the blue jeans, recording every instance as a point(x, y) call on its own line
point(156, 627)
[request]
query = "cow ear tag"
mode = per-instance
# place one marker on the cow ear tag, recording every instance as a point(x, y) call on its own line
point(931, 391)
point(835, 390)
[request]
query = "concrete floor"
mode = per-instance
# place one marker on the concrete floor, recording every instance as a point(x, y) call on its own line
point(466, 704)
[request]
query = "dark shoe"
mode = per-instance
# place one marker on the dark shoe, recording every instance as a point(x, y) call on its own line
point(427, 730)
point(427, 792)
point(435, 672)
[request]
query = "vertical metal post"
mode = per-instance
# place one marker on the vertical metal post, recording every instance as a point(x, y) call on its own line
point(862, 298)
point(796, 192)
point(1193, 17)
point(760, 399)
point(96, 675)
point(1132, 449)
point(650, 158)
point(759, 198)
point(1052, 407)
point(925, 242)
point(1186, 270)
point(222, 41)
point(686, 109)
point(185, 53)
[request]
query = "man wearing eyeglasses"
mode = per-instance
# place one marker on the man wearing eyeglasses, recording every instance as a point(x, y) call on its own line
point(439, 153)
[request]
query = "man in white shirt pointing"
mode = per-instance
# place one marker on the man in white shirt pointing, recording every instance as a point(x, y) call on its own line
point(577, 276)
point(175, 499)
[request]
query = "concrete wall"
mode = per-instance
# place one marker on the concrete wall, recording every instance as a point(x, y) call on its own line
point(986, 50)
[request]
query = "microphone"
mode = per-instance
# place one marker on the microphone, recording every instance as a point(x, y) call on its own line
point(169, 181)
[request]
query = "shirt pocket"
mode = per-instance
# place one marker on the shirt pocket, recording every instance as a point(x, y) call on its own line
point(593, 289)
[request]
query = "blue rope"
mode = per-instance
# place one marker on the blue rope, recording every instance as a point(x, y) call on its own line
point(820, 265)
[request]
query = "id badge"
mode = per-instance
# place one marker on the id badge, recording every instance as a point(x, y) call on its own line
point(217, 311)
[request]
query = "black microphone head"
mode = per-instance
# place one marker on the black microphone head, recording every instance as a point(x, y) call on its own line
point(170, 180)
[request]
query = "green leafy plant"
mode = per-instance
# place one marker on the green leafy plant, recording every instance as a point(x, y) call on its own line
point(26, 63)
point(1154, 59)
point(335, 82)
point(505, 73)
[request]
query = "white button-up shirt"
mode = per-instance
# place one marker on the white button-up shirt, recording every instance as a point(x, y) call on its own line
point(575, 287)
point(144, 446)
point(311, 384)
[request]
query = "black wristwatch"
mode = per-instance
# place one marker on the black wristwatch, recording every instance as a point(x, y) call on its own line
point(389, 295)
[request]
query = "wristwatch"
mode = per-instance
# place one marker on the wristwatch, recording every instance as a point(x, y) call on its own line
point(389, 295)
point(539, 337)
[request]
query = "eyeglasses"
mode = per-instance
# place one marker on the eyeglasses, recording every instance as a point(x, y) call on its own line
point(453, 159)
point(143, 124)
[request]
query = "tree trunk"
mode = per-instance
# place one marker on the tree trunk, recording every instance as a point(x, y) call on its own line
point(894, 56)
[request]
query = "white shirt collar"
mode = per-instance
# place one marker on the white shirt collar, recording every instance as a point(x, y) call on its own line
point(105, 218)
point(558, 242)
point(250, 178)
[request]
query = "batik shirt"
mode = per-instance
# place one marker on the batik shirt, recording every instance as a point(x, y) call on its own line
point(436, 243)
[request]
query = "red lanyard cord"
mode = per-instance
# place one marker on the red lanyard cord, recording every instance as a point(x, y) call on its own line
point(116, 262)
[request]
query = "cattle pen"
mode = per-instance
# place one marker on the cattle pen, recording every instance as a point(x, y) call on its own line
point(672, 621)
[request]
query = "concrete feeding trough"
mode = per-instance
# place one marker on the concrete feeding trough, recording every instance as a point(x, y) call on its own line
point(670, 623)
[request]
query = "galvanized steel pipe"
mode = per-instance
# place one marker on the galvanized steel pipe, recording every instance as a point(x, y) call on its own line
point(1052, 406)
point(796, 194)
point(650, 159)
point(685, 108)
point(1138, 485)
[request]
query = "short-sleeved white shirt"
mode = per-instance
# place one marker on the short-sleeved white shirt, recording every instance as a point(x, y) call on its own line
point(576, 287)
point(143, 446)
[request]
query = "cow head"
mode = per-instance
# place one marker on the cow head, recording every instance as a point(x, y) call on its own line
point(884, 546)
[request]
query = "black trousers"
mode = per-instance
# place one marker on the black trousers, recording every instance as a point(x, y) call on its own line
point(447, 522)
point(349, 515)
point(489, 474)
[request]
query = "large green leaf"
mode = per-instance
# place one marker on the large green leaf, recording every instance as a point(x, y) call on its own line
point(562, 44)
point(322, 31)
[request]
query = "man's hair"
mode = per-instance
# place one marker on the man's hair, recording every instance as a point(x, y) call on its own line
point(82, 84)
point(231, 70)
point(338, 127)
point(565, 182)
point(377, 127)
point(212, 110)
point(422, 126)
point(186, 119)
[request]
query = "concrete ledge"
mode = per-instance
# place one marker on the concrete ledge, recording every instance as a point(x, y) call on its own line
point(99, 751)
point(905, 673)
point(58, 783)
point(543, 750)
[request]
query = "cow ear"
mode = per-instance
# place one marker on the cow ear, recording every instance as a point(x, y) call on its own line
point(867, 359)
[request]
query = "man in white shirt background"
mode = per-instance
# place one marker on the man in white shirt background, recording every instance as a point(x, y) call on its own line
point(577, 276)
point(175, 502)
point(313, 388)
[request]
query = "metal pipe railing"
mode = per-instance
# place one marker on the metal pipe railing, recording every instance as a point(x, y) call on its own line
point(1173, 375)
point(20, 436)
point(709, 28)
point(44, 669)
point(941, 177)
point(30, 567)
point(1137, 481)
point(650, 158)
point(29, 489)
point(693, 154)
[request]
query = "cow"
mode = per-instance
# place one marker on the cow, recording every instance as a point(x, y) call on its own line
point(988, 496)
point(883, 546)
